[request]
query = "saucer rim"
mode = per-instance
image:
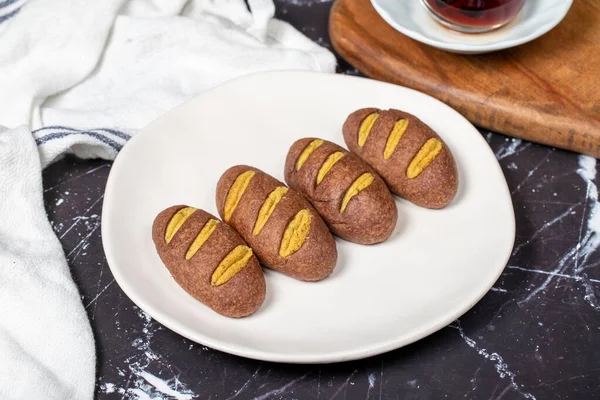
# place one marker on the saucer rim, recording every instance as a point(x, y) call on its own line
point(471, 48)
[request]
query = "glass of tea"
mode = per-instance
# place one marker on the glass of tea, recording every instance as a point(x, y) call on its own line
point(473, 16)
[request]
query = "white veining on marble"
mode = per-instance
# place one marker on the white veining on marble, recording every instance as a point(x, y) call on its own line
point(371, 379)
point(343, 385)
point(381, 379)
point(500, 365)
point(99, 293)
point(141, 383)
point(319, 384)
point(562, 265)
point(245, 385)
point(587, 170)
point(284, 389)
point(533, 171)
point(508, 150)
point(547, 225)
point(162, 386)
point(514, 147)
point(78, 219)
point(72, 178)
point(539, 271)
point(92, 224)
point(587, 242)
point(503, 392)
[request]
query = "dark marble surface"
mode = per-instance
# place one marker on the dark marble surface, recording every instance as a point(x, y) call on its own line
point(536, 334)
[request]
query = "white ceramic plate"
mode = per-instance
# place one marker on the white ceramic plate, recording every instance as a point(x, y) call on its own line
point(412, 19)
point(435, 267)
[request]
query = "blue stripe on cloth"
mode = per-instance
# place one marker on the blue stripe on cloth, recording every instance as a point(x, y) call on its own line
point(120, 134)
point(7, 3)
point(9, 15)
point(59, 135)
point(115, 132)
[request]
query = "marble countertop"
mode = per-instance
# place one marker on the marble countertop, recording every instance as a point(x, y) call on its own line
point(535, 335)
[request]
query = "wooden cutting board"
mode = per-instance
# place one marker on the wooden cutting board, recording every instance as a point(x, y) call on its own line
point(546, 91)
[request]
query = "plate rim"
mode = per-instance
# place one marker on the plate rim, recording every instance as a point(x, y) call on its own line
point(469, 48)
point(275, 356)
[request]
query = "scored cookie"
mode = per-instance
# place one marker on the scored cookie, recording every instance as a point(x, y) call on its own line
point(347, 193)
point(284, 230)
point(411, 158)
point(209, 260)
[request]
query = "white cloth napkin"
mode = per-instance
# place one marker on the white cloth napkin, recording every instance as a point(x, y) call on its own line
point(46, 344)
point(81, 77)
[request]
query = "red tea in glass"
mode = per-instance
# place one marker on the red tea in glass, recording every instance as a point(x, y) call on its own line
point(474, 15)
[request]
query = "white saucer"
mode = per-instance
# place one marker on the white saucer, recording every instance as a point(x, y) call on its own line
point(412, 19)
point(435, 267)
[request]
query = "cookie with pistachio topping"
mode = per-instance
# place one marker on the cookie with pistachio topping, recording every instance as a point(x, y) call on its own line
point(411, 158)
point(209, 260)
point(352, 199)
point(282, 228)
